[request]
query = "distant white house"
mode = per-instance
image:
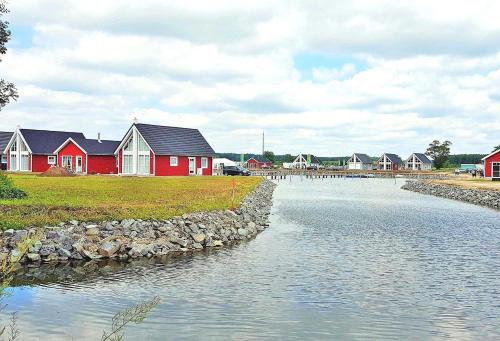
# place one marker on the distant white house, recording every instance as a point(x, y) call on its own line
point(306, 161)
point(360, 162)
point(418, 161)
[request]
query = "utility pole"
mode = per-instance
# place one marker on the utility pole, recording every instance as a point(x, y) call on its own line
point(262, 143)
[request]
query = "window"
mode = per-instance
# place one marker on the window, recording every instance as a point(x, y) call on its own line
point(67, 162)
point(4, 159)
point(51, 159)
point(128, 146)
point(128, 168)
point(13, 162)
point(13, 148)
point(174, 161)
point(495, 170)
point(204, 162)
point(143, 164)
point(142, 146)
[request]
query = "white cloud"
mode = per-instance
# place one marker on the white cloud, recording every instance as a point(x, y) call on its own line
point(401, 74)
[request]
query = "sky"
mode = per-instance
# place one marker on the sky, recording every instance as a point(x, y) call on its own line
point(323, 77)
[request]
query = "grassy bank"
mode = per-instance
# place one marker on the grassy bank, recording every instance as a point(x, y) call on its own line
point(467, 181)
point(98, 198)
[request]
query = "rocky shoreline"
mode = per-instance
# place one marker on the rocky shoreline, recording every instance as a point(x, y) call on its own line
point(135, 238)
point(474, 196)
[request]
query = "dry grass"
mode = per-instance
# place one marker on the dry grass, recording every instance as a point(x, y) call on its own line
point(467, 181)
point(98, 198)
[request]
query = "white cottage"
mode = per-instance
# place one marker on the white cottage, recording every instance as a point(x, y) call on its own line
point(418, 161)
point(360, 162)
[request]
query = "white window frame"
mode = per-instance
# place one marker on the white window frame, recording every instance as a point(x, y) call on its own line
point(174, 161)
point(67, 157)
point(53, 158)
point(3, 159)
point(204, 160)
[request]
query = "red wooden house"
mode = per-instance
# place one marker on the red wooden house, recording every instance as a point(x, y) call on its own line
point(164, 151)
point(258, 162)
point(30, 150)
point(87, 156)
point(492, 166)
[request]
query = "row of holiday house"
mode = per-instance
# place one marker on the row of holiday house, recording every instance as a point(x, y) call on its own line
point(144, 150)
point(390, 162)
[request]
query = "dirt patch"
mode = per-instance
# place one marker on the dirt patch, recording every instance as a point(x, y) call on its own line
point(57, 172)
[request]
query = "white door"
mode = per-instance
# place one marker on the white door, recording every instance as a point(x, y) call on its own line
point(192, 166)
point(79, 167)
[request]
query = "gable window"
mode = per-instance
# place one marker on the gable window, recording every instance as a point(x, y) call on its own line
point(51, 159)
point(204, 162)
point(174, 161)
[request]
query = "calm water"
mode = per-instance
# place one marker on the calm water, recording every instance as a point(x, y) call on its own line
point(342, 259)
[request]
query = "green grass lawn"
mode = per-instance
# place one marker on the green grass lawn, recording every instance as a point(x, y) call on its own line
point(99, 198)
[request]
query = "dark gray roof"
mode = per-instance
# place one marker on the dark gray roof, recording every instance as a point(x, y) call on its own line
point(363, 158)
point(94, 147)
point(423, 157)
point(46, 141)
point(166, 140)
point(394, 158)
point(4, 140)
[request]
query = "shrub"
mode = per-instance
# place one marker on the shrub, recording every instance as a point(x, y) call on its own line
point(7, 189)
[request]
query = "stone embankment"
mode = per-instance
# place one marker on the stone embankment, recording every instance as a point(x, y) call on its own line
point(134, 238)
point(474, 196)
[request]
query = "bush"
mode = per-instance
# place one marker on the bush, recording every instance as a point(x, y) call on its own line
point(7, 189)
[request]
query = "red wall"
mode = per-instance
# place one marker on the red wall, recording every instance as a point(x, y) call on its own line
point(488, 162)
point(72, 150)
point(163, 167)
point(102, 164)
point(39, 163)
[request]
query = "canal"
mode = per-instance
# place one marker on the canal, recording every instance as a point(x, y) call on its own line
point(342, 259)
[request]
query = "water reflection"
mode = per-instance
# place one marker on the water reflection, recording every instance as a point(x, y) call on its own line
point(342, 259)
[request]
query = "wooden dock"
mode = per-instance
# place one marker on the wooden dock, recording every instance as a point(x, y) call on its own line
point(281, 174)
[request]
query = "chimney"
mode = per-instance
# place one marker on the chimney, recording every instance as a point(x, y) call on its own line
point(99, 137)
point(136, 120)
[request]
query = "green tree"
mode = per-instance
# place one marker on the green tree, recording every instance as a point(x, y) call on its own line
point(496, 148)
point(288, 158)
point(270, 156)
point(8, 91)
point(439, 152)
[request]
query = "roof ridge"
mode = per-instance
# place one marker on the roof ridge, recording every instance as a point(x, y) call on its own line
point(164, 126)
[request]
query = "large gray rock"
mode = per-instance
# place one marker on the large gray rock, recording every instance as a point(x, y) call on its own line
point(108, 249)
point(46, 250)
point(198, 237)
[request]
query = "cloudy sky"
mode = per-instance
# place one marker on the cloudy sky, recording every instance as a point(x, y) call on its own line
point(323, 77)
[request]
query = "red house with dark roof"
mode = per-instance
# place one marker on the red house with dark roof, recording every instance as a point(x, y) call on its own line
point(492, 166)
point(30, 150)
point(88, 156)
point(258, 162)
point(164, 151)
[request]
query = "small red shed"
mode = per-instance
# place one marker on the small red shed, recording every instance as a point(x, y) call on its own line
point(492, 165)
